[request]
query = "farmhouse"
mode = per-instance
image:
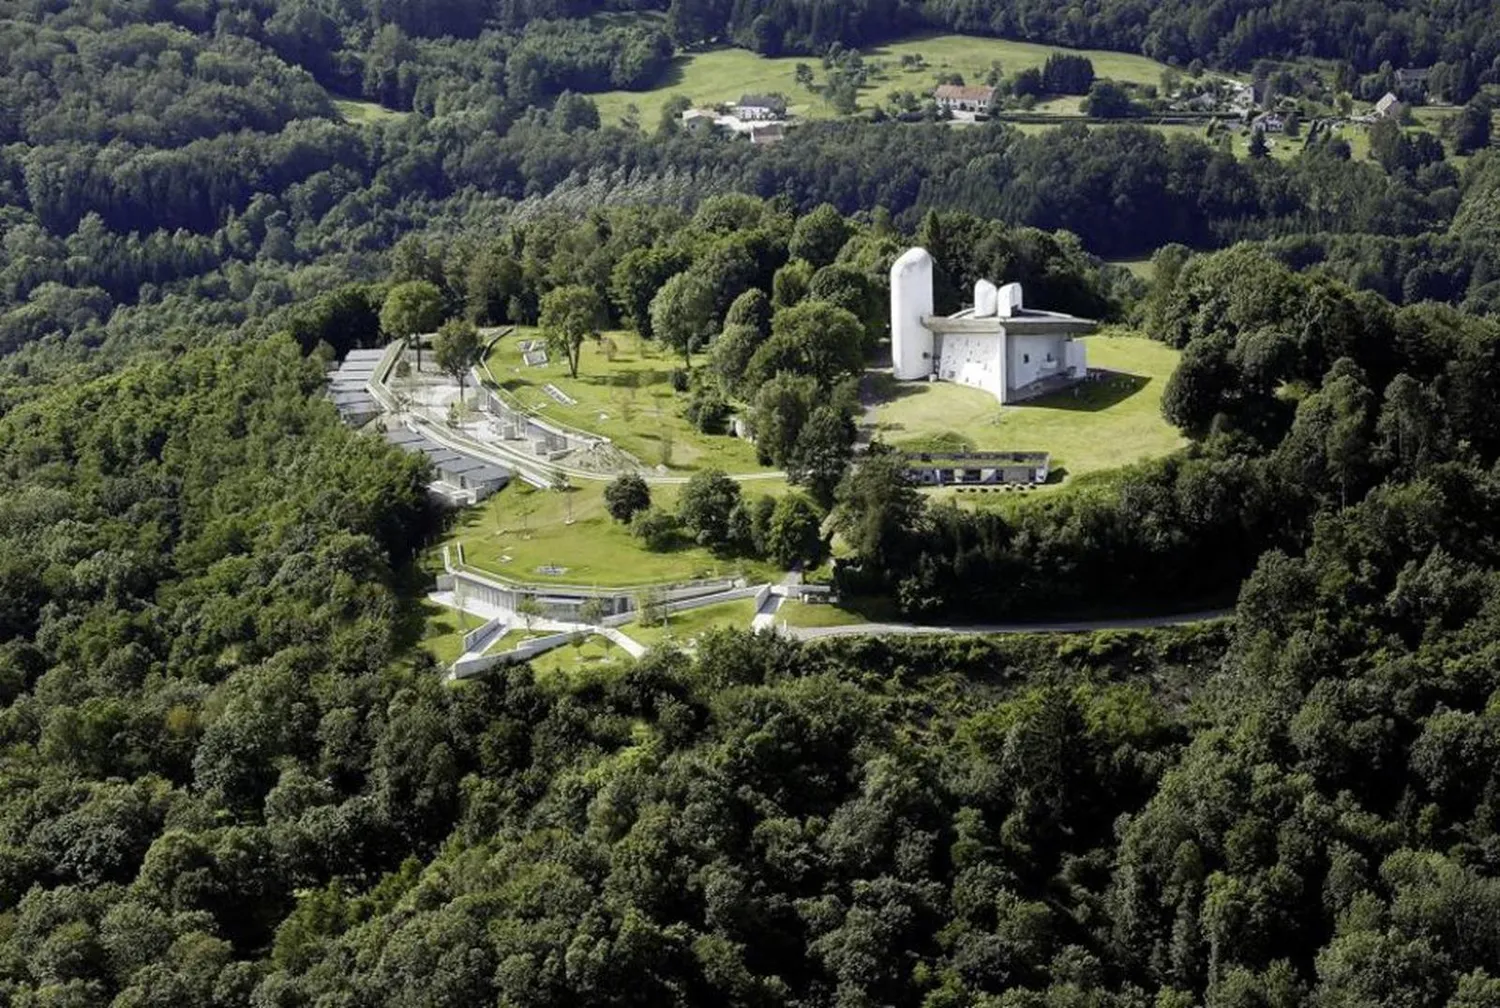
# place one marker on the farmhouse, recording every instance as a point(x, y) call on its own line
point(767, 133)
point(1013, 352)
point(964, 98)
point(1389, 107)
point(1411, 82)
point(760, 107)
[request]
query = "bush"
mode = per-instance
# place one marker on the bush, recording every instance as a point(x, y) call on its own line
point(626, 496)
point(655, 528)
point(708, 410)
point(680, 380)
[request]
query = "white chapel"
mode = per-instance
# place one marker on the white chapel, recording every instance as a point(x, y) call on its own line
point(1013, 352)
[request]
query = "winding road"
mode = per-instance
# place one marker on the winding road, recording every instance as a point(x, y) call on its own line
point(977, 629)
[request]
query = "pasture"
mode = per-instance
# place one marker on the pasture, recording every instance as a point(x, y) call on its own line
point(723, 75)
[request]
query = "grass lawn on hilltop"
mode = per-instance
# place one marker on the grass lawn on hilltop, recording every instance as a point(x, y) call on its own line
point(1106, 425)
point(521, 529)
point(628, 400)
point(722, 75)
point(681, 628)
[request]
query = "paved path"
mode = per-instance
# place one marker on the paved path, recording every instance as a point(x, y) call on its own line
point(632, 646)
point(766, 615)
point(1074, 626)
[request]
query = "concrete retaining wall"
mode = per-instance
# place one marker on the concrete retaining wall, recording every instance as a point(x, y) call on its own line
point(700, 601)
point(761, 594)
point(474, 638)
point(465, 669)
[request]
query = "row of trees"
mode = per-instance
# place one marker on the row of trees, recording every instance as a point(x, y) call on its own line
point(1365, 35)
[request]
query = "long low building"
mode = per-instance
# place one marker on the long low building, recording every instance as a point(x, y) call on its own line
point(461, 479)
point(349, 387)
point(978, 468)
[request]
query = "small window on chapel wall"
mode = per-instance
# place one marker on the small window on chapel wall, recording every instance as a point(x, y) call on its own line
point(1026, 358)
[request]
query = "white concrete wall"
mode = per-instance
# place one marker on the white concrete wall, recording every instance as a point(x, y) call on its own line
point(1078, 358)
point(977, 361)
point(1028, 359)
point(911, 301)
point(475, 637)
point(464, 668)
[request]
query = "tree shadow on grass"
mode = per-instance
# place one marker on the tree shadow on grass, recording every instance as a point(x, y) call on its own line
point(642, 379)
point(1110, 389)
point(411, 621)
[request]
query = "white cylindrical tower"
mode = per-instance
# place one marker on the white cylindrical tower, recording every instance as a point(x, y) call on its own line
point(911, 302)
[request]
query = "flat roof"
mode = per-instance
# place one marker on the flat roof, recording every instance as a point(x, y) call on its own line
point(460, 465)
point(489, 474)
point(1022, 315)
point(370, 354)
point(963, 458)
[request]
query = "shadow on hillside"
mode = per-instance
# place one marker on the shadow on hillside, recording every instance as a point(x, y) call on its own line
point(1109, 389)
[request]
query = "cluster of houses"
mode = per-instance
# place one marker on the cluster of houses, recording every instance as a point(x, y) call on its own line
point(761, 118)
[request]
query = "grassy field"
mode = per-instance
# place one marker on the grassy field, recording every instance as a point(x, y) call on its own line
point(588, 654)
point(820, 614)
point(364, 112)
point(1140, 268)
point(1105, 425)
point(520, 530)
point(443, 631)
point(628, 399)
point(681, 628)
point(723, 75)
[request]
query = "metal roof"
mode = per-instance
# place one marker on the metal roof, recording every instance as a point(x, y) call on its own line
point(402, 436)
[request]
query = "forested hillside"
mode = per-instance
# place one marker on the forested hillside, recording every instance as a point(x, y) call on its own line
point(224, 786)
point(197, 161)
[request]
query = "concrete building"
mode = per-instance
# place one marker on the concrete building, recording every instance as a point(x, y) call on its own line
point(461, 479)
point(760, 107)
point(978, 468)
point(964, 98)
point(349, 387)
point(1013, 352)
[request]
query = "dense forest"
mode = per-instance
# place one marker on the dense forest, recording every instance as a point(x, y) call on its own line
point(226, 783)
